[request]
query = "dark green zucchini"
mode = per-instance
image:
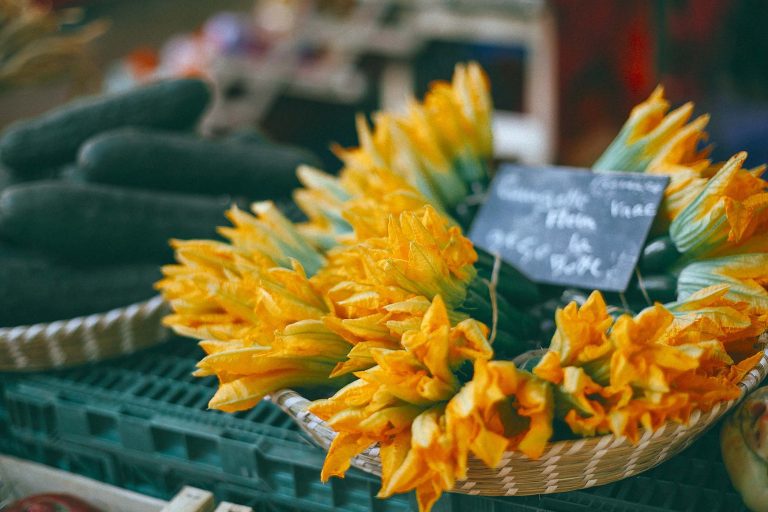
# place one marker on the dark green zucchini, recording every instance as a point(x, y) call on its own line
point(659, 255)
point(166, 161)
point(53, 139)
point(659, 288)
point(248, 136)
point(36, 289)
point(89, 224)
point(512, 284)
point(5, 178)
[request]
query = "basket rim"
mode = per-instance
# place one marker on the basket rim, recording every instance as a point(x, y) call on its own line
point(86, 338)
point(679, 434)
point(4, 331)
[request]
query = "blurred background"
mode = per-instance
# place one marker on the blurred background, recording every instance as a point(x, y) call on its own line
point(564, 74)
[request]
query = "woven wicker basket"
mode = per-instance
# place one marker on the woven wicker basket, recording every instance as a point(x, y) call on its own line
point(83, 339)
point(565, 465)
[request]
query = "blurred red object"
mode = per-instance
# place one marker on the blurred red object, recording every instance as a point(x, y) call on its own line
point(143, 62)
point(51, 503)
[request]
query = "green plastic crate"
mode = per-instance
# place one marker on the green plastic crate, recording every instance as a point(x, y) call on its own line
point(142, 422)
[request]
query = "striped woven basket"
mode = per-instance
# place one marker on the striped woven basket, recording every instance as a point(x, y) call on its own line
point(565, 465)
point(83, 339)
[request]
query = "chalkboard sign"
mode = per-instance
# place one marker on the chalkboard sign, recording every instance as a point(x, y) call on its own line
point(569, 226)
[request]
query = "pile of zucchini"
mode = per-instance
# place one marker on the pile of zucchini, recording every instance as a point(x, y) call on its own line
point(90, 194)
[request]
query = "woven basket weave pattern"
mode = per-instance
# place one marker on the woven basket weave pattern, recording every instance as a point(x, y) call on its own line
point(83, 339)
point(565, 465)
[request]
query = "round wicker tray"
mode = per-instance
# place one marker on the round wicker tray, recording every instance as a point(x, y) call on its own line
point(83, 339)
point(565, 465)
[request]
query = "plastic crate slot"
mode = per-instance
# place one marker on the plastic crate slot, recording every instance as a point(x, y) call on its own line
point(304, 455)
point(175, 394)
point(240, 457)
point(354, 493)
point(605, 491)
point(92, 378)
point(401, 503)
point(150, 480)
point(76, 375)
point(698, 472)
point(309, 486)
point(566, 502)
point(245, 496)
point(180, 368)
point(169, 442)
point(136, 412)
point(458, 502)
point(103, 426)
point(98, 466)
point(266, 413)
point(276, 475)
point(77, 459)
point(661, 495)
point(72, 397)
point(143, 389)
point(141, 365)
point(120, 383)
point(30, 414)
point(106, 379)
point(196, 399)
point(159, 391)
point(204, 450)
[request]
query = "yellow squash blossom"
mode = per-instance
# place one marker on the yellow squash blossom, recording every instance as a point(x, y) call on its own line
point(711, 312)
point(375, 287)
point(268, 232)
point(400, 404)
point(649, 129)
point(441, 147)
point(656, 141)
point(732, 207)
point(643, 358)
point(302, 354)
point(353, 206)
point(268, 335)
point(746, 276)
point(642, 371)
point(580, 338)
point(239, 298)
point(688, 168)
point(501, 408)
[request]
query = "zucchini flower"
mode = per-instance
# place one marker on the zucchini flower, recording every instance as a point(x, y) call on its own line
point(405, 383)
point(380, 286)
point(641, 371)
point(709, 312)
point(644, 358)
point(649, 129)
point(746, 276)
point(413, 404)
point(422, 255)
point(354, 206)
point(245, 289)
point(301, 354)
point(501, 408)
point(441, 147)
point(270, 233)
point(656, 141)
point(729, 215)
point(258, 314)
point(688, 168)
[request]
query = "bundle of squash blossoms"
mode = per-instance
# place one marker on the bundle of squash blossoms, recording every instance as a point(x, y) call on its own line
point(379, 297)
